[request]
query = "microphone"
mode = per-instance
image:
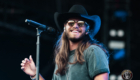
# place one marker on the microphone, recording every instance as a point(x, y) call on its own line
point(40, 26)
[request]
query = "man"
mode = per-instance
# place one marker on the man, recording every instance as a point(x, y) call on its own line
point(77, 55)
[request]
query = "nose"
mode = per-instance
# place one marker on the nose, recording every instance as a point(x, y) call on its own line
point(75, 25)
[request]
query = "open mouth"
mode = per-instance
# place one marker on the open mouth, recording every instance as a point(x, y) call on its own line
point(75, 31)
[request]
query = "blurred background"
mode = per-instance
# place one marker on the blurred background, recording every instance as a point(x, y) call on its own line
point(119, 32)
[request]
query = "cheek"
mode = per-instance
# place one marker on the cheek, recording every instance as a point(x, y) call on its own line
point(83, 30)
point(67, 28)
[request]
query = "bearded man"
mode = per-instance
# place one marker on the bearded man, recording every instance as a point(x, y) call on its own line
point(78, 56)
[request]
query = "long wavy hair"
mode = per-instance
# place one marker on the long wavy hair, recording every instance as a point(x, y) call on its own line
point(62, 51)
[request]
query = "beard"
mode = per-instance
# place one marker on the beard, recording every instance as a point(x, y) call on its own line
point(74, 40)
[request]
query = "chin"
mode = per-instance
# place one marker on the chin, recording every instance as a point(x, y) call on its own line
point(75, 39)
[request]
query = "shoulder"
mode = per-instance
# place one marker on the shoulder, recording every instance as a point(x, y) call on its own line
point(94, 50)
point(93, 47)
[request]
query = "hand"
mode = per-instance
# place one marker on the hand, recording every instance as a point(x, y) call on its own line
point(28, 66)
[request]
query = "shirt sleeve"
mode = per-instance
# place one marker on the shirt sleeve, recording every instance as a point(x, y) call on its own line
point(97, 61)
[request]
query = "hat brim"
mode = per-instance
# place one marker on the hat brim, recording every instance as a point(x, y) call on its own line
point(94, 21)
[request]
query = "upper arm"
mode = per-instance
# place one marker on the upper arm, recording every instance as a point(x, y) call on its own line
point(103, 76)
point(97, 62)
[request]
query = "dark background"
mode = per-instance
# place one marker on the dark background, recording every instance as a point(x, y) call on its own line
point(18, 40)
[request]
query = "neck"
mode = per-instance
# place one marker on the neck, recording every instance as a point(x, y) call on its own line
point(73, 45)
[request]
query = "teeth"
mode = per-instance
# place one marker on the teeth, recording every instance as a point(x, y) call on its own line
point(74, 31)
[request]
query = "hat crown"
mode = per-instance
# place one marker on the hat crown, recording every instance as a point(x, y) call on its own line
point(78, 9)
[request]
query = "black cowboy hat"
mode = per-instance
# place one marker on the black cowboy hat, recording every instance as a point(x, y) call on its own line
point(78, 11)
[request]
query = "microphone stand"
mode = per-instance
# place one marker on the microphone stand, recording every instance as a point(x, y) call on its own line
point(37, 52)
point(39, 29)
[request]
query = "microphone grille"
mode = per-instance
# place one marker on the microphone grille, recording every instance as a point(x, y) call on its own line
point(26, 20)
point(50, 29)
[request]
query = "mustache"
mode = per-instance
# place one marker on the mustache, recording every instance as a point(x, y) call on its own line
point(73, 28)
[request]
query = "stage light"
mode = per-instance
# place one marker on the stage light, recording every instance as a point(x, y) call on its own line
point(120, 33)
point(112, 77)
point(119, 77)
point(119, 54)
point(113, 33)
point(116, 44)
point(121, 14)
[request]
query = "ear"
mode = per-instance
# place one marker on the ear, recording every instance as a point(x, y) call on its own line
point(64, 28)
point(87, 32)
